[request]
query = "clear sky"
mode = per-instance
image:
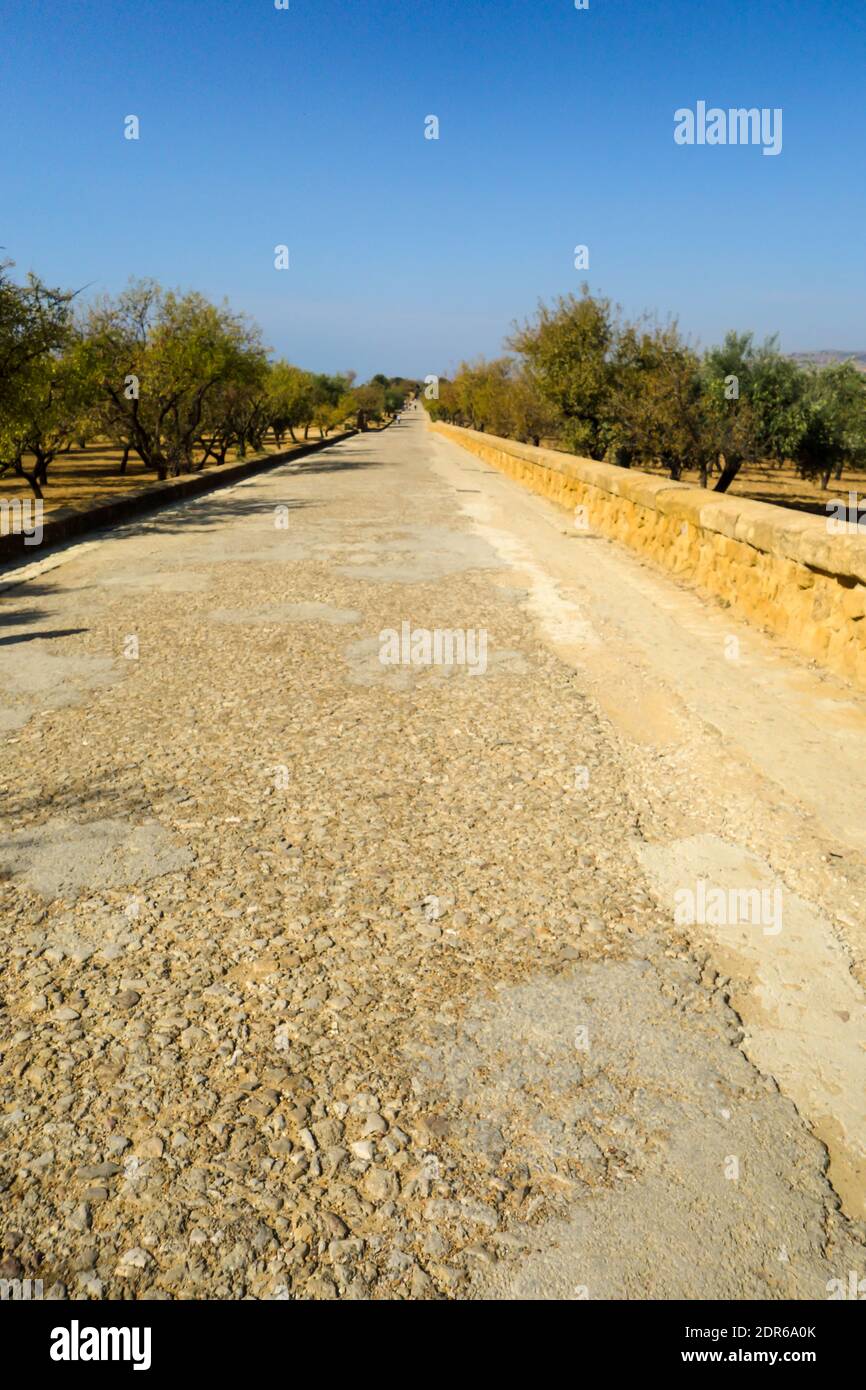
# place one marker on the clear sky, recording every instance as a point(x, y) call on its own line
point(305, 126)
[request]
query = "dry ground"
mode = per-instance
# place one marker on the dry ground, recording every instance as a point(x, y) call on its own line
point(780, 485)
point(85, 476)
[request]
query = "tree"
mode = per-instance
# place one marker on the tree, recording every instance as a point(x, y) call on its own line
point(160, 357)
point(54, 397)
point(41, 390)
point(345, 410)
point(658, 411)
point(395, 398)
point(369, 403)
point(567, 351)
point(442, 406)
point(34, 322)
point(755, 403)
point(236, 413)
point(480, 393)
point(834, 432)
point(290, 393)
point(531, 417)
point(327, 392)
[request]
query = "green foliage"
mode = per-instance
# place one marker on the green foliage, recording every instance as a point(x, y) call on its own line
point(164, 361)
point(657, 410)
point(567, 350)
point(834, 433)
point(169, 375)
point(45, 390)
point(369, 403)
point(35, 321)
point(637, 393)
point(291, 398)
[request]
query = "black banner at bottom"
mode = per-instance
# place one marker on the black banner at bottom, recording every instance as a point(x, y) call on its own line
point(62, 1339)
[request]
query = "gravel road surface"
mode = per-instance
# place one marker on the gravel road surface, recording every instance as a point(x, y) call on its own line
point(328, 972)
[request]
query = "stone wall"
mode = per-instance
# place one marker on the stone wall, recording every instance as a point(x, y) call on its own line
point(775, 566)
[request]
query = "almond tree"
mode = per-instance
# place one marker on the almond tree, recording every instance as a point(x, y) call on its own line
point(39, 398)
point(35, 320)
point(658, 412)
point(159, 358)
point(290, 394)
point(54, 398)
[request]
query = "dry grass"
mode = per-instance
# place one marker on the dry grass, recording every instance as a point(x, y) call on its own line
point(781, 486)
point(86, 476)
point(764, 482)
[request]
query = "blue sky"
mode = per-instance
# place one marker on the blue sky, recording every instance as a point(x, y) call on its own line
point(306, 127)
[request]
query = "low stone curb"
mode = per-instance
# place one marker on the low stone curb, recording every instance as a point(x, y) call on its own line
point(66, 522)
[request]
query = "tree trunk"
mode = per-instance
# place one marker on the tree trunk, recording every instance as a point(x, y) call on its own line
point(43, 458)
point(125, 460)
point(31, 478)
point(729, 473)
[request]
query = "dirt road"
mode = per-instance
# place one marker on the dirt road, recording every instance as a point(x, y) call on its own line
point(333, 973)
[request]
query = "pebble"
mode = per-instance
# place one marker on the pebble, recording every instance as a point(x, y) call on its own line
point(136, 1258)
point(380, 1185)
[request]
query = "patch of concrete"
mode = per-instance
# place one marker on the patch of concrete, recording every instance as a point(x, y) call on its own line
point(614, 1095)
point(803, 1010)
point(268, 547)
point(276, 613)
point(563, 623)
point(60, 859)
point(365, 668)
point(420, 554)
point(32, 678)
point(29, 671)
point(12, 717)
point(184, 582)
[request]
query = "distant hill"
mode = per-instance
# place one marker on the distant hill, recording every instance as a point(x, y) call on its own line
point(828, 355)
